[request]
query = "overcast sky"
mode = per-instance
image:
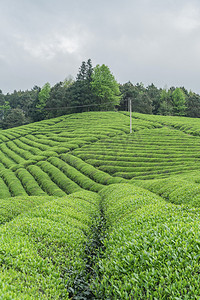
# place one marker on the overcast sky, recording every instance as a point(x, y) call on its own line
point(149, 41)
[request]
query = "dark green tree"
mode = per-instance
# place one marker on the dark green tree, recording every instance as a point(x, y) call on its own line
point(193, 105)
point(80, 93)
point(34, 114)
point(4, 106)
point(141, 101)
point(154, 94)
point(14, 118)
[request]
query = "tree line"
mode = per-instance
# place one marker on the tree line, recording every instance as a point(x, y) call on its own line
point(94, 89)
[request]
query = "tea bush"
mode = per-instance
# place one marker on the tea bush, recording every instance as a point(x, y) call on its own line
point(151, 248)
point(59, 178)
point(45, 182)
point(29, 183)
point(43, 250)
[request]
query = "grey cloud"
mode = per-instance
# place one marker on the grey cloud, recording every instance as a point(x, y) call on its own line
point(149, 41)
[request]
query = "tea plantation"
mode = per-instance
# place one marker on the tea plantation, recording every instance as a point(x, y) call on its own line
point(90, 211)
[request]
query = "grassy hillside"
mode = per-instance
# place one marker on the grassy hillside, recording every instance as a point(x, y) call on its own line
point(90, 211)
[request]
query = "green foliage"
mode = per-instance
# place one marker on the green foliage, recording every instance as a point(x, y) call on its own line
point(178, 189)
point(140, 97)
point(30, 185)
point(59, 178)
point(4, 190)
point(151, 253)
point(80, 92)
point(193, 105)
point(75, 175)
point(131, 243)
point(10, 208)
point(14, 118)
point(43, 96)
point(43, 250)
point(105, 87)
point(4, 107)
point(166, 106)
point(13, 183)
point(178, 98)
point(93, 173)
point(45, 182)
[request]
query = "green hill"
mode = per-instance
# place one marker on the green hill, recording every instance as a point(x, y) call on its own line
point(90, 211)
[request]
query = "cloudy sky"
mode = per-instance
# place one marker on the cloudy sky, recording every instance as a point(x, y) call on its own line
point(149, 41)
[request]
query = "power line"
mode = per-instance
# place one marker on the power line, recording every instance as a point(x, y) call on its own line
point(65, 107)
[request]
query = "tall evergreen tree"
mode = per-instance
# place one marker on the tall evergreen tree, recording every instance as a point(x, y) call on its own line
point(80, 93)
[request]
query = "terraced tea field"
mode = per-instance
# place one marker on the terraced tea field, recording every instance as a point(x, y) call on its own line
point(90, 211)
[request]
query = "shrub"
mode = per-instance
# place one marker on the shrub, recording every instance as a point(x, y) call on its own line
point(151, 247)
point(45, 182)
point(14, 185)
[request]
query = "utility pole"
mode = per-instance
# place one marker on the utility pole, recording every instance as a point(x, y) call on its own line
point(130, 108)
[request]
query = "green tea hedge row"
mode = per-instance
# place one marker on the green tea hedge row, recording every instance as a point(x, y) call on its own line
point(11, 154)
point(12, 207)
point(141, 151)
point(187, 125)
point(4, 190)
point(29, 183)
point(145, 169)
point(59, 178)
point(34, 144)
point(165, 171)
point(43, 250)
point(140, 156)
point(6, 135)
point(60, 150)
point(6, 161)
point(175, 190)
point(54, 140)
point(43, 140)
point(21, 144)
point(141, 139)
point(14, 184)
point(88, 170)
point(45, 182)
point(151, 247)
point(137, 159)
point(3, 138)
point(23, 153)
point(140, 162)
point(82, 180)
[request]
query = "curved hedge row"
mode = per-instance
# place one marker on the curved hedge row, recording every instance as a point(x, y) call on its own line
point(45, 182)
point(22, 145)
point(59, 178)
point(29, 183)
point(4, 190)
point(43, 250)
point(10, 208)
point(93, 173)
point(187, 125)
point(12, 155)
point(6, 161)
point(174, 189)
point(13, 183)
point(149, 153)
point(151, 247)
point(82, 180)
